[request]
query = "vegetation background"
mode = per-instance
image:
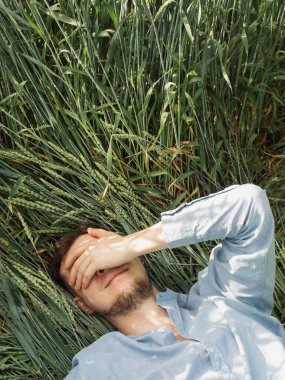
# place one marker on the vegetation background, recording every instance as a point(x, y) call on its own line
point(114, 111)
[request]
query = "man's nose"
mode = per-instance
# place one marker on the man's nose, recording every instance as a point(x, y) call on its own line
point(103, 272)
point(100, 272)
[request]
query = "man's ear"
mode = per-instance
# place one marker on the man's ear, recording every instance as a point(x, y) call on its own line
point(82, 305)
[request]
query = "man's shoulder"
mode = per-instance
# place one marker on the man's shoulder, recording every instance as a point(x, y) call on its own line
point(102, 343)
point(94, 359)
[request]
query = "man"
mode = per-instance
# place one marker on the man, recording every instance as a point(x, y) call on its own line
point(222, 329)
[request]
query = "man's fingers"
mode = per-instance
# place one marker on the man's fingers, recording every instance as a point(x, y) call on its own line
point(76, 253)
point(76, 265)
point(81, 273)
point(88, 274)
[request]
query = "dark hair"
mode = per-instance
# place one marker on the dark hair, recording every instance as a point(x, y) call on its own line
point(61, 248)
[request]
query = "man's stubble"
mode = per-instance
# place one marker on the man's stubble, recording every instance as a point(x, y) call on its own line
point(128, 301)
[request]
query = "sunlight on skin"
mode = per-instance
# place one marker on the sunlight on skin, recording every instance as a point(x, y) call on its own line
point(157, 320)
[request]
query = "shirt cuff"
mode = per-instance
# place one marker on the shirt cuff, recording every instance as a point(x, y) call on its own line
point(176, 228)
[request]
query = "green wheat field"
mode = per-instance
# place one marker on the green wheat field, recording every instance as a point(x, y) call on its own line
point(113, 111)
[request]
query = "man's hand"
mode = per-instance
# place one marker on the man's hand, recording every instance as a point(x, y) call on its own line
point(110, 250)
point(105, 251)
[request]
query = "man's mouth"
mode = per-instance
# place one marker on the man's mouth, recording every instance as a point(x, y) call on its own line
point(115, 274)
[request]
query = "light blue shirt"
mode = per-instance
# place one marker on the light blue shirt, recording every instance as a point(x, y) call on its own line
point(227, 313)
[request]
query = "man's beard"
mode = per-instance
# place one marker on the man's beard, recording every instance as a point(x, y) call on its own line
point(128, 301)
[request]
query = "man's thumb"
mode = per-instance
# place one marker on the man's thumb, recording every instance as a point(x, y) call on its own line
point(98, 232)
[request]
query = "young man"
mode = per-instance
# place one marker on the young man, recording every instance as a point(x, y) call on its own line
point(221, 329)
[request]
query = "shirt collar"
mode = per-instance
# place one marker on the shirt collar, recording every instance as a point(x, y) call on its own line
point(165, 297)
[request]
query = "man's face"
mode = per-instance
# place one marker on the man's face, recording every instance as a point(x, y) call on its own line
point(113, 291)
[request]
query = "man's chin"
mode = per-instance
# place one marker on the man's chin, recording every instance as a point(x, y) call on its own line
point(130, 298)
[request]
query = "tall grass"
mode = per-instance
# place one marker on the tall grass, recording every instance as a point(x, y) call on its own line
point(115, 111)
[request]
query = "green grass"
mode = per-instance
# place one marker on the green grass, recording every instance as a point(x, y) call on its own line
point(112, 111)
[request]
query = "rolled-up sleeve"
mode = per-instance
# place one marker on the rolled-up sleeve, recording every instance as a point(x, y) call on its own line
point(242, 265)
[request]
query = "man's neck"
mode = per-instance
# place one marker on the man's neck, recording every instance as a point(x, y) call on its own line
point(147, 317)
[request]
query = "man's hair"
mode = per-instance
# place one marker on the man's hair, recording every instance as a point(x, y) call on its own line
point(61, 249)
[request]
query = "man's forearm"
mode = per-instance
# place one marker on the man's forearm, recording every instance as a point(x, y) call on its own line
point(146, 241)
point(208, 218)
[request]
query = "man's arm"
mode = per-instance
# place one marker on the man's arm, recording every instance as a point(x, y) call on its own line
point(242, 266)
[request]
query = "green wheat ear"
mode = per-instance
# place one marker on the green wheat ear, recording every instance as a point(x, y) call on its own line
point(57, 190)
point(68, 309)
point(65, 194)
point(71, 215)
point(34, 195)
point(67, 157)
point(95, 174)
point(35, 205)
point(12, 155)
point(44, 165)
point(41, 285)
point(26, 227)
point(46, 310)
point(121, 185)
point(22, 285)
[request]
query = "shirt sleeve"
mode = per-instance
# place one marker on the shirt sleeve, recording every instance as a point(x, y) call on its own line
point(242, 265)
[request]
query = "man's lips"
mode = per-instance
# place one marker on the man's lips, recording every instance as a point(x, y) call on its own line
point(114, 274)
